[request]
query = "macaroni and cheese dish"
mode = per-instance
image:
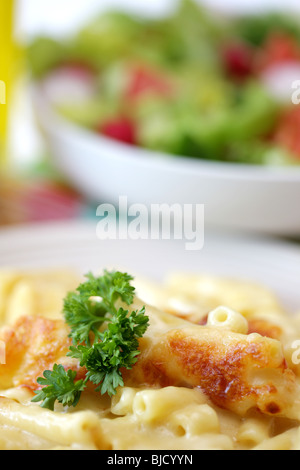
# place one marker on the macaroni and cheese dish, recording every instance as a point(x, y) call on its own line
point(217, 370)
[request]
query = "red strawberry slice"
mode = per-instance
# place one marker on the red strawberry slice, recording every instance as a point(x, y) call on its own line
point(279, 48)
point(288, 131)
point(145, 80)
point(120, 128)
point(238, 60)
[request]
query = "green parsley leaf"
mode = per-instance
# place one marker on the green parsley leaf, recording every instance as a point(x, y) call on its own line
point(86, 316)
point(117, 349)
point(103, 352)
point(83, 316)
point(59, 385)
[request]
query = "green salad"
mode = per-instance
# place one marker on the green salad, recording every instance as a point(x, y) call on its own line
point(191, 84)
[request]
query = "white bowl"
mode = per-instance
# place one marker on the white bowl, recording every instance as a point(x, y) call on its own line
point(236, 196)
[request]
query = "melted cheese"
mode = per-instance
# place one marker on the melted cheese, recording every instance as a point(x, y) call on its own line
point(195, 386)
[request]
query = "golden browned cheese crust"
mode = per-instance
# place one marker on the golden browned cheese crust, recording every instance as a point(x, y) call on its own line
point(33, 345)
point(237, 372)
point(264, 328)
point(225, 375)
point(255, 325)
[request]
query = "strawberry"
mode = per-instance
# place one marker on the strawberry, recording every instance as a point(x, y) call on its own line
point(238, 60)
point(145, 80)
point(288, 132)
point(121, 128)
point(278, 49)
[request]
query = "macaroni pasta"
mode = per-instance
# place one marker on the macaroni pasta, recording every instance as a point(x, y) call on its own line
point(216, 369)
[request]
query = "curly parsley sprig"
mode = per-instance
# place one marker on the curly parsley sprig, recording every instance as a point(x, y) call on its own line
point(105, 339)
point(59, 385)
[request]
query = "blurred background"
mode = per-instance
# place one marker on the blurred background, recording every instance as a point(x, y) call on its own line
point(165, 101)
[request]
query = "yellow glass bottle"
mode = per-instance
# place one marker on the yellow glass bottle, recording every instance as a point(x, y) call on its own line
point(6, 68)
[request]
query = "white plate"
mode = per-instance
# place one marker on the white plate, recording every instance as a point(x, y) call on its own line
point(274, 263)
